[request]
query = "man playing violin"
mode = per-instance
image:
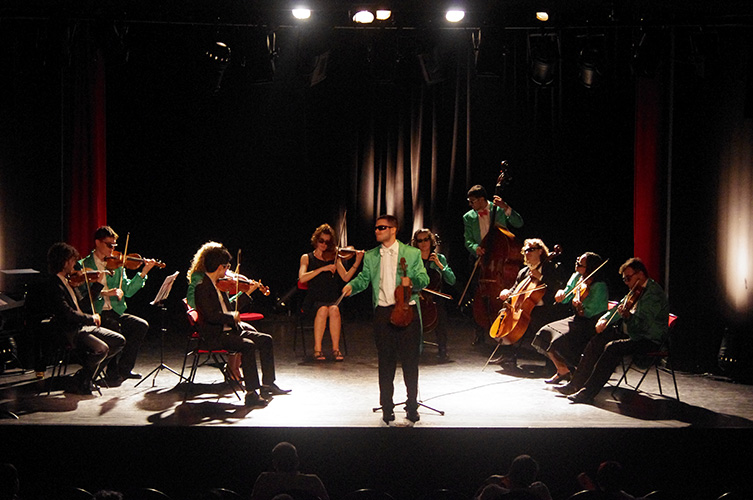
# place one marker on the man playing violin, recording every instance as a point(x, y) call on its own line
point(382, 271)
point(637, 325)
point(111, 304)
point(83, 330)
point(221, 327)
point(563, 341)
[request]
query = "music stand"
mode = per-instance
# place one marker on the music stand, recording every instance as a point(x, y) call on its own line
point(162, 294)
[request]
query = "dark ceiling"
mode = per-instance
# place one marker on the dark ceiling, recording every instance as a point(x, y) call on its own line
point(407, 13)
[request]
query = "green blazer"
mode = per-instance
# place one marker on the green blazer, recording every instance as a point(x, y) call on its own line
point(651, 318)
point(472, 230)
point(129, 286)
point(370, 273)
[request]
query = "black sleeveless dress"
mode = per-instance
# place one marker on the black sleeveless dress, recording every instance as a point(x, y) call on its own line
point(324, 289)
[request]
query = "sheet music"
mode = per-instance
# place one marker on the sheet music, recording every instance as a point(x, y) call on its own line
point(164, 290)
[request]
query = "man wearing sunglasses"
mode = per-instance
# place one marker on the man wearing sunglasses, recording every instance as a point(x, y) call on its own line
point(636, 326)
point(111, 304)
point(381, 270)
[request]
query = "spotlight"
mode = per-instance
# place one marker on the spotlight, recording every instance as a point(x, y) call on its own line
point(301, 13)
point(543, 54)
point(591, 62)
point(383, 14)
point(455, 16)
point(363, 17)
point(542, 16)
point(218, 56)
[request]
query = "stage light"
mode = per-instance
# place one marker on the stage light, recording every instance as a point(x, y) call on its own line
point(383, 14)
point(591, 61)
point(219, 53)
point(543, 54)
point(301, 13)
point(542, 16)
point(454, 15)
point(363, 17)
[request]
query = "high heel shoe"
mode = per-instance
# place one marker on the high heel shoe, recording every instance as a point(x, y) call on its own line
point(337, 355)
point(319, 356)
point(557, 378)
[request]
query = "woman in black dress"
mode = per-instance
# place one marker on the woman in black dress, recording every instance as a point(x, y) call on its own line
point(324, 279)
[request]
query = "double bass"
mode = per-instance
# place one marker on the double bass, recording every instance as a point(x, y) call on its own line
point(498, 267)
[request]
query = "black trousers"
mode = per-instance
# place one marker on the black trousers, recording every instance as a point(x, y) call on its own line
point(134, 330)
point(248, 342)
point(96, 345)
point(602, 355)
point(397, 344)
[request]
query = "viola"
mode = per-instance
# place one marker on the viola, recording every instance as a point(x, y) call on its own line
point(131, 261)
point(239, 283)
point(79, 277)
point(342, 253)
point(402, 314)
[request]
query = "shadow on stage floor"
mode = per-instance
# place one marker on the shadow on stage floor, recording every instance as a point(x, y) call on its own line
point(184, 440)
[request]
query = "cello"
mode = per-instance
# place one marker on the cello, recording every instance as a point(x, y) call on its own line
point(515, 316)
point(498, 267)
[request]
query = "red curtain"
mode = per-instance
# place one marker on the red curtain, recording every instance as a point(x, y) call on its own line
point(648, 243)
point(88, 181)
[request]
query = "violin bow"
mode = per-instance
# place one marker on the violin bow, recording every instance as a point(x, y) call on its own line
point(586, 278)
point(237, 280)
point(123, 261)
point(624, 299)
point(89, 291)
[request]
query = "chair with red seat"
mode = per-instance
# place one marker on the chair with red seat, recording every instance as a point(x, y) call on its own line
point(202, 349)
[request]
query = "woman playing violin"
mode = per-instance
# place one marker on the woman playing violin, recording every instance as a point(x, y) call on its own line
point(439, 272)
point(563, 341)
point(324, 274)
point(540, 274)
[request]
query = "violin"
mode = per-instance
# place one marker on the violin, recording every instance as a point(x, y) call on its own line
point(79, 277)
point(131, 261)
point(342, 253)
point(239, 283)
point(402, 314)
point(580, 293)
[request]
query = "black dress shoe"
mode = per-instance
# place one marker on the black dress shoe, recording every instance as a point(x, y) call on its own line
point(388, 416)
point(557, 378)
point(567, 390)
point(412, 415)
point(254, 400)
point(581, 397)
point(273, 390)
point(131, 375)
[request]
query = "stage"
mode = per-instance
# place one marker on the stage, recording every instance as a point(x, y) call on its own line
point(475, 421)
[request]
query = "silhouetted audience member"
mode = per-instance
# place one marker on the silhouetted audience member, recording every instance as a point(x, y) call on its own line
point(520, 482)
point(9, 483)
point(286, 477)
point(609, 482)
point(108, 495)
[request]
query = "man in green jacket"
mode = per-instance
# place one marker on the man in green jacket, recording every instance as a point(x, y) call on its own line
point(111, 304)
point(382, 269)
point(637, 326)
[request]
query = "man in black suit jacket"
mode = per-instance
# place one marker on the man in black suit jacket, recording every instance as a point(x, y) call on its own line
point(82, 330)
point(220, 326)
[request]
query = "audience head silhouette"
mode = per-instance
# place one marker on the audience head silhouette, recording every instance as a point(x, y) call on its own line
point(609, 476)
point(523, 471)
point(285, 457)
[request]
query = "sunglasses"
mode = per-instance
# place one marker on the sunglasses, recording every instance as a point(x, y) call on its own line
point(322, 240)
point(382, 228)
point(531, 249)
point(421, 240)
point(627, 277)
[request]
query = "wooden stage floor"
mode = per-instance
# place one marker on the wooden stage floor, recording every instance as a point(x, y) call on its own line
point(329, 394)
point(489, 416)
